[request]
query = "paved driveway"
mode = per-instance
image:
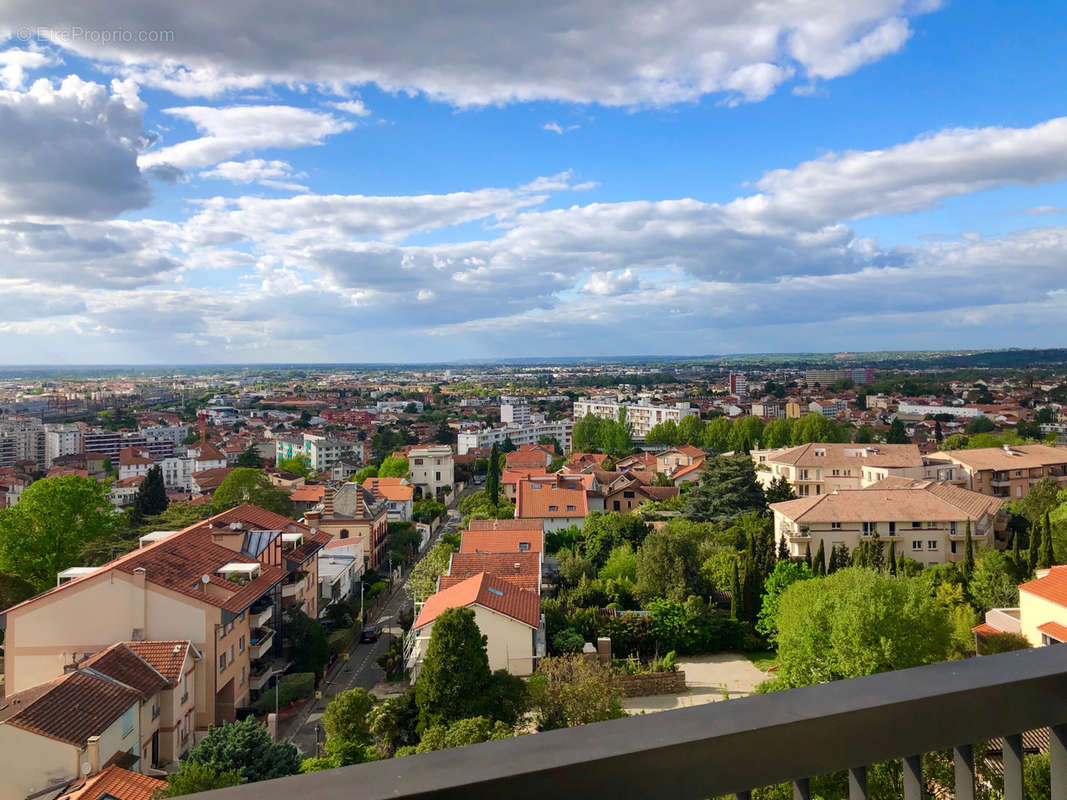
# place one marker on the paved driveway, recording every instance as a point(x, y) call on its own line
point(708, 678)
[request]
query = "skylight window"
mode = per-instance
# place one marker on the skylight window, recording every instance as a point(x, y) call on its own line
point(496, 591)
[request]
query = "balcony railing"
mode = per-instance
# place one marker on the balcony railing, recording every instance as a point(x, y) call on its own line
point(732, 747)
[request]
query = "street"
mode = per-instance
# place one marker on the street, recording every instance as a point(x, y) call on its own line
point(361, 669)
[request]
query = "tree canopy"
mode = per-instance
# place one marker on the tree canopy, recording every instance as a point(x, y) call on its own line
point(245, 485)
point(455, 678)
point(245, 748)
point(727, 488)
point(394, 467)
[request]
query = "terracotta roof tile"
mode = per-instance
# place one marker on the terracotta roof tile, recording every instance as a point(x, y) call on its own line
point(124, 665)
point(77, 706)
point(488, 591)
point(119, 783)
point(1052, 586)
point(549, 502)
point(166, 656)
point(506, 525)
point(1055, 630)
point(395, 489)
point(502, 541)
point(499, 565)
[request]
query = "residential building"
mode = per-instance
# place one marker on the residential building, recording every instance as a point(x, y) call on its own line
point(641, 416)
point(60, 440)
point(794, 410)
point(928, 521)
point(397, 493)
point(341, 565)
point(322, 453)
point(673, 459)
point(628, 493)
point(551, 501)
point(1009, 471)
point(1041, 616)
point(920, 411)
point(828, 377)
point(134, 463)
point(523, 569)
point(354, 512)
point(520, 435)
point(738, 385)
point(503, 536)
point(768, 409)
point(514, 412)
point(508, 616)
point(432, 468)
point(814, 469)
point(530, 456)
point(221, 584)
point(115, 783)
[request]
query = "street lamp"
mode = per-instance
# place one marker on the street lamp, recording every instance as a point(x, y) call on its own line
point(361, 620)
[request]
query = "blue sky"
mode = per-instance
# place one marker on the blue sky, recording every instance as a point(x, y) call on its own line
point(583, 178)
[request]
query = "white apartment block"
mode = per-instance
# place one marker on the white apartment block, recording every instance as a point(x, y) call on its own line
point(432, 468)
point(560, 430)
point(828, 408)
point(174, 434)
point(60, 440)
point(514, 412)
point(962, 412)
point(323, 453)
point(642, 416)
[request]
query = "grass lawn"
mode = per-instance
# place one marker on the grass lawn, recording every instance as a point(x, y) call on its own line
point(763, 660)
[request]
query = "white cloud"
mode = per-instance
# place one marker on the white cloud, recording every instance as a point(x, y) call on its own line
point(353, 107)
point(234, 130)
point(617, 52)
point(554, 127)
point(1042, 210)
point(70, 150)
point(275, 174)
point(14, 64)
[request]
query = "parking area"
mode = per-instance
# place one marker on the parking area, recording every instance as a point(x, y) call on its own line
point(708, 678)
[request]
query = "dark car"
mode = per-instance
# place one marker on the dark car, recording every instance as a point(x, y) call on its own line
point(370, 634)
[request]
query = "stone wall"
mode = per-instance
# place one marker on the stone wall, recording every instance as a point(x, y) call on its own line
point(650, 683)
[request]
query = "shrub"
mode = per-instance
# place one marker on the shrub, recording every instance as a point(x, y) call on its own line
point(297, 686)
point(568, 640)
point(341, 640)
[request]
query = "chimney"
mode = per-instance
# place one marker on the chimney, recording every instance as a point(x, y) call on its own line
point(327, 502)
point(603, 650)
point(92, 751)
point(312, 517)
point(360, 506)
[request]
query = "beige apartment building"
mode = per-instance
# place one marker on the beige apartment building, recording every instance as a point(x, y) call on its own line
point(220, 584)
point(1009, 471)
point(432, 468)
point(641, 416)
point(926, 520)
point(816, 469)
point(1041, 616)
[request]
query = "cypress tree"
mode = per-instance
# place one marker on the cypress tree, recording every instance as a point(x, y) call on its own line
point(1035, 547)
point(1047, 558)
point(892, 558)
point(832, 566)
point(492, 478)
point(783, 550)
point(1016, 555)
point(735, 594)
point(968, 549)
point(844, 559)
point(820, 560)
point(151, 497)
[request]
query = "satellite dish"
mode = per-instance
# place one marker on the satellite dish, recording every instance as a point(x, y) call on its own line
point(85, 768)
point(205, 579)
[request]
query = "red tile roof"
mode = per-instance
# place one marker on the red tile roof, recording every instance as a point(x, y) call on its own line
point(119, 783)
point(1055, 630)
point(521, 569)
point(502, 541)
point(506, 525)
point(395, 489)
point(308, 493)
point(985, 629)
point(75, 706)
point(488, 591)
point(547, 502)
point(124, 665)
point(1052, 586)
point(166, 656)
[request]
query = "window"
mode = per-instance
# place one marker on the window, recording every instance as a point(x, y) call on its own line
point(241, 645)
point(127, 722)
point(892, 528)
point(438, 474)
point(869, 528)
point(570, 508)
point(917, 545)
point(553, 508)
point(931, 523)
point(155, 707)
point(931, 544)
point(615, 505)
point(628, 494)
point(952, 528)
point(524, 546)
point(916, 524)
point(836, 472)
point(222, 662)
point(418, 461)
point(231, 654)
point(241, 677)
point(952, 547)
point(835, 526)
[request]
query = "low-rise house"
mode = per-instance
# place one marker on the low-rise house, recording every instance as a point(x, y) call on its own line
point(341, 565)
point(508, 616)
point(552, 501)
point(503, 536)
point(670, 461)
point(354, 512)
point(206, 481)
point(1040, 617)
point(432, 468)
point(115, 783)
point(530, 457)
point(1009, 471)
point(625, 497)
point(397, 493)
point(927, 521)
point(308, 496)
point(523, 569)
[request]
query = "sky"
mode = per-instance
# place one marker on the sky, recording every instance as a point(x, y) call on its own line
point(333, 182)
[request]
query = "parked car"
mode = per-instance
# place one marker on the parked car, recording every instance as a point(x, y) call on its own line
point(370, 634)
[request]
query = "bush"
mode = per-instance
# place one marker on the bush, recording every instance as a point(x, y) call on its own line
point(341, 640)
point(297, 686)
point(568, 640)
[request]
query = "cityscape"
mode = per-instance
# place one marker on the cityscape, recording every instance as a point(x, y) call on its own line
point(488, 401)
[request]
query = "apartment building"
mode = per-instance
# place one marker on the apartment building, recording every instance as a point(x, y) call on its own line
point(322, 453)
point(353, 512)
point(828, 377)
point(768, 409)
point(557, 502)
point(828, 408)
point(432, 468)
point(520, 435)
point(815, 469)
point(61, 440)
point(641, 416)
point(220, 584)
point(397, 493)
point(514, 412)
point(738, 385)
point(1009, 471)
point(926, 520)
point(22, 439)
point(920, 411)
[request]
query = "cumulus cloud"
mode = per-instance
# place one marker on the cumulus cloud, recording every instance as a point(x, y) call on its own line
point(234, 130)
point(15, 63)
point(275, 174)
point(618, 53)
point(70, 150)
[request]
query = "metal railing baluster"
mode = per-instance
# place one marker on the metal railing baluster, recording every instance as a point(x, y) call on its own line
point(1013, 766)
point(913, 778)
point(857, 783)
point(963, 759)
point(802, 789)
point(1057, 756)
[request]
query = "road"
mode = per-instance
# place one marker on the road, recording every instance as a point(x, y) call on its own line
point(361, 670)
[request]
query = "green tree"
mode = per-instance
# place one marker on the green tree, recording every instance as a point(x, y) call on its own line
point(423, 579)
point(492, 478)
point(785, 574)
point(1037, 777)
point(857, 622)
point(817, 428)
point(778, 433)
point(621, 564)
point(45, 532)
point(249, 458)
point(980, 425)
point(298, 465)
point(956, 441)
point(192, 777)
point(394, 467)
point(151, 498)
point(727, 488)
point(585, 437)
point(865, 434)
point(991, 582)
point(669, 564)
point(897, 434)
point(392, 723)
point(245, 485)
point(427, 510)
point(369, 471)
point(603, 530)
point(454, 679)
point(1044, 496)
point(717, 435)
point(310, 647)
point(691, 430)
point(968, 550)
point(1033, 554)
point(572, 690)
point(245, 748)
point(819, 566)
point(346, 726)
point(404, 541)
point(463, 732)
point(1046, 558)
point(737, 603)
point(779, 490)
point(663, 434)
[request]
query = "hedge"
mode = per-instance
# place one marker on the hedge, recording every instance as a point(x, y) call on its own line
point(297, 686)
point(340, 640)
